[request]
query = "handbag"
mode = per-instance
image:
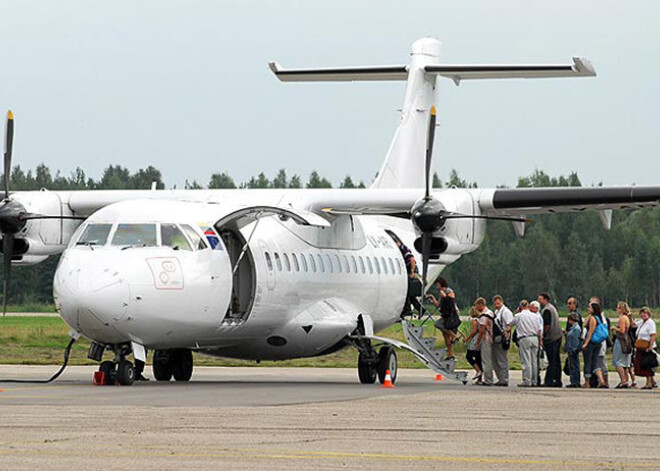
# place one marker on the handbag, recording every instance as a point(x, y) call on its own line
point(649, 360)
point(600, 332)
point(567, 370)
point(626, 343)
point(642, 344)
point(543, 360)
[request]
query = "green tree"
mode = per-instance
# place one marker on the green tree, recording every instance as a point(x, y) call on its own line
point(221, 181)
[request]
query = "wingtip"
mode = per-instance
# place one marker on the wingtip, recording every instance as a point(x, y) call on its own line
point(584, 67)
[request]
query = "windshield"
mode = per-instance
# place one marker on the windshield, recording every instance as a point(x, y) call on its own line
point(171, 236)
point(135, 234)
point(95, 234)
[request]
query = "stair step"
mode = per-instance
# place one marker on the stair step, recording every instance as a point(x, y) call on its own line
point(428, 342)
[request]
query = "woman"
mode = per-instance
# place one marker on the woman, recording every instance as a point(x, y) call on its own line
point(646, 335)
point(622, 342)
point(449, 319)
point(473, 354)
point(592, 349)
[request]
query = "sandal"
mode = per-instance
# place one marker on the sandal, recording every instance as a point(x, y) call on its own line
point(633, 385)
point(647, 387)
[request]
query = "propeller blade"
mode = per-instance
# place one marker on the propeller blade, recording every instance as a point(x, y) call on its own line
point(9, 144)
point(426, 255)
point(429, 150)
point(7, 250)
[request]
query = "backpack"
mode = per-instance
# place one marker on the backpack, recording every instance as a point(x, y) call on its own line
point(600, 332)
point(498, 333)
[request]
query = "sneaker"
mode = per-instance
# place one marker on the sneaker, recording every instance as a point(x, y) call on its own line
point(140, 377)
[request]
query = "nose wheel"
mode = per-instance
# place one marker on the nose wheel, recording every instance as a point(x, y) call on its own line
point(121, 371)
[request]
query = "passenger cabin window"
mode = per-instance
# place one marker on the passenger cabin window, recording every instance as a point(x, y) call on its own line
point(294, 259)
point(382, 261)
point(392, 270)
point(347, 267)
point(142, 235)
point(287, 264)
point(192, 234)
point(371, 270)
point(278, 262)
point(95, 234)
point(269, 262)
point(376, 266)
point(320, 259)
point(330, 269)
point(361, 264)
point(171, 236)
point(312, 262)
point(338, 263)
point(303, 260)
point(354, 264)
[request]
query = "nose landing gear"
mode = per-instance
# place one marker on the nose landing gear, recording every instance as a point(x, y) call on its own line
point(121, 371)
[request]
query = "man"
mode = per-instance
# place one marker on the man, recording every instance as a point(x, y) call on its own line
point(534, 308)
point(573, 344)
point(530, 338)
point(503, 318)
point(485, 340)
point(572, 305)
point(552, 335)
point(414, 285)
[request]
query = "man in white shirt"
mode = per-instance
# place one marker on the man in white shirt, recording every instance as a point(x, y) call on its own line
point(503, 318)
point(529, 329)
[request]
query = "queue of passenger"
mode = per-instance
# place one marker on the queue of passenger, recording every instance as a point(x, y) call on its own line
point(537, 331)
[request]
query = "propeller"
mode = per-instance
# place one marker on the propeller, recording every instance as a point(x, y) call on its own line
point(429, 215)
point(13, 216)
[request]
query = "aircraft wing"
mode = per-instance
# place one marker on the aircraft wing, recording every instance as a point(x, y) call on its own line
point(526, 201)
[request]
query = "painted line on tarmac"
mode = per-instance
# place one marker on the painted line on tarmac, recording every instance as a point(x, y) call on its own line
point(326, 455)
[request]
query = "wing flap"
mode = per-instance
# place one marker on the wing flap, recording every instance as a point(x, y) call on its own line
point(340, 74)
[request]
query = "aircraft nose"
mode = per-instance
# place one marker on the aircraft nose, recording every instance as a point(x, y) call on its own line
point(91, 296)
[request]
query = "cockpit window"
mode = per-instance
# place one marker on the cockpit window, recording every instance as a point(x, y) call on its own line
point(194, 236)
point(95, 234)
point(171, 236)
point(142, 235)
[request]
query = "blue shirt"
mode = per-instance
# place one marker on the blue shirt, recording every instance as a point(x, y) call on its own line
point(573, 338)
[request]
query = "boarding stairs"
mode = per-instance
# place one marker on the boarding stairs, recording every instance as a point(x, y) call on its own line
point(434, 358)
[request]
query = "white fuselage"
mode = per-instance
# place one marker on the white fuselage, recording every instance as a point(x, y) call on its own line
point(303, 287)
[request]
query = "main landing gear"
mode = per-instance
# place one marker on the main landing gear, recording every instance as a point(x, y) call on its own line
point(176, 362)
point(372, 365)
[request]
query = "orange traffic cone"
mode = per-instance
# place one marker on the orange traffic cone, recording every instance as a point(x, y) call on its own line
point(388, 380)
point(438, 377)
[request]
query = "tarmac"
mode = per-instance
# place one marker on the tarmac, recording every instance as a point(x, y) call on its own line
point(282, 418)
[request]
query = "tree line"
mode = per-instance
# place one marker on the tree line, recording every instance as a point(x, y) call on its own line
point(566, 254)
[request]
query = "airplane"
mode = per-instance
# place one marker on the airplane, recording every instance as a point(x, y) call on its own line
point(278, 274)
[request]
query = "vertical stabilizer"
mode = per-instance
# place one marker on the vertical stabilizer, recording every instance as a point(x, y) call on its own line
point(404, 164)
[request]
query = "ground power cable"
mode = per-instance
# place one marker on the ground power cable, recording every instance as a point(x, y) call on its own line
point(67, 351)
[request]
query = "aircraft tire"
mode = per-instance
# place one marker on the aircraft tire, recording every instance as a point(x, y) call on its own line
point(125, 373)
point(387, 360)
point(162, 365)
point(182, 364)
point(108, 367)
point(366, 371)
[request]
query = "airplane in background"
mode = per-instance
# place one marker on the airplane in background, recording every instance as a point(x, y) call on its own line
point(277, 274)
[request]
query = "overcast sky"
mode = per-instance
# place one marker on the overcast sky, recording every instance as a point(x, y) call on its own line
point(184, 86)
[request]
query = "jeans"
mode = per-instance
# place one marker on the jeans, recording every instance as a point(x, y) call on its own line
point(591, 359)
point(529, 357)
point(553, 373)
point(574, 368)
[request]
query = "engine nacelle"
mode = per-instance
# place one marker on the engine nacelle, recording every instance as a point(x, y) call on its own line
point(27, 260)
point(42, 237)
